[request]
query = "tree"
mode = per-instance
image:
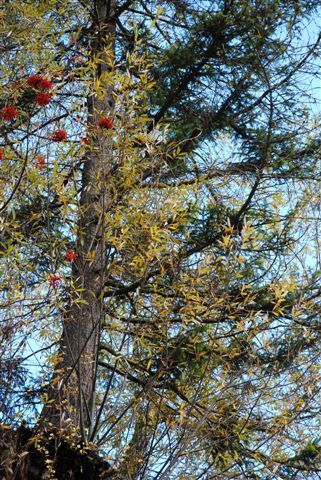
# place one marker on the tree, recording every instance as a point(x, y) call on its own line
point(159, 242)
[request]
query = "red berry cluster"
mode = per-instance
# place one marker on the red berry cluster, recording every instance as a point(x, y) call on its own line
point(43, 98)
point(59, 136)
point(106, 123)
point(37, 82)
point(41, 162)
point(42, 86)
point(9, 113)
point(54, 280)
point(71, 255)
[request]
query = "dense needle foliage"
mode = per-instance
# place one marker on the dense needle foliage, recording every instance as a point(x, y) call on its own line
point(204, 220)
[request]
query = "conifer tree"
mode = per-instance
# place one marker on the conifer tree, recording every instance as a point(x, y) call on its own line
point(159, 250)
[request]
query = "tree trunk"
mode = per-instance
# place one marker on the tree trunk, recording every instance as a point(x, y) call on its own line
point(72, 395)
point(21, 458)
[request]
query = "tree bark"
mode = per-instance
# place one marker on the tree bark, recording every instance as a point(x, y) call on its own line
point(22, 459)
point(71, 401)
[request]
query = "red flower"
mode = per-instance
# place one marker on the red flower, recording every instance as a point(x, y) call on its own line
point(39, 83)
point(43, 98)
point(71, 255)
point(84, 140)
point(41, 162)
point(1, 153)
point(105, 122)
point(9, 112)
point(54, 280)
point(59, 136)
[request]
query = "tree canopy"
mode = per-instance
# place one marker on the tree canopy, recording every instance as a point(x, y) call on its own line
point(159, 239)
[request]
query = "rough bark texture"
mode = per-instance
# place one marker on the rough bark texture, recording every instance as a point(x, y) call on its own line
point(71, 400)
point(23, 458)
